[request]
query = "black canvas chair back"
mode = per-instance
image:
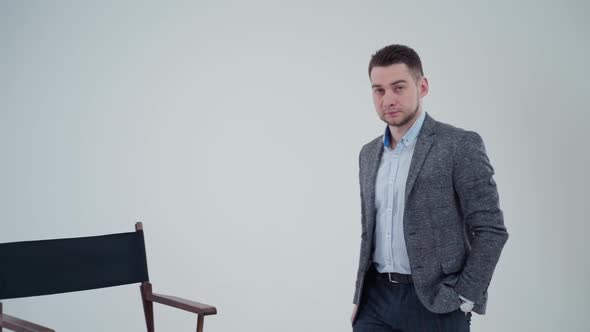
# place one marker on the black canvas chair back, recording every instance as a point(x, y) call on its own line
point(33, 268)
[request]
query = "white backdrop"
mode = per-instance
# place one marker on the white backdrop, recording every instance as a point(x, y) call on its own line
point(232, 129)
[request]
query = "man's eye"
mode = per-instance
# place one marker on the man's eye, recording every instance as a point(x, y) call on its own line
point(399, 88)
point(379, 91)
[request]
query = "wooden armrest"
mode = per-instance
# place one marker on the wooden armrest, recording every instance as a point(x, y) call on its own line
point(184, 304)
point(19, 325)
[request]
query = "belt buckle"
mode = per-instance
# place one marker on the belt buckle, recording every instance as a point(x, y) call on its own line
point(390, 280)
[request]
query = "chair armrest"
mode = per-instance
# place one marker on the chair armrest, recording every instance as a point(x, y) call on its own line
point(19, 325)
point(184, 304)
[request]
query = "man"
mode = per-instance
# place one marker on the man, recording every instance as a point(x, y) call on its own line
point(432, 229)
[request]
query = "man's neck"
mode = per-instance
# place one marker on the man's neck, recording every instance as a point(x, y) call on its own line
point(398, 132)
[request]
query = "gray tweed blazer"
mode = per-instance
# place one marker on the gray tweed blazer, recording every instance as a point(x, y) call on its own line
point(453, 226)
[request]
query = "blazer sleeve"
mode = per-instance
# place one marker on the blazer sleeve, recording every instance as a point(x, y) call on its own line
point(478, 196)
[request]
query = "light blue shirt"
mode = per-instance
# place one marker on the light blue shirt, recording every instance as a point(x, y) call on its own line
point(390, 253)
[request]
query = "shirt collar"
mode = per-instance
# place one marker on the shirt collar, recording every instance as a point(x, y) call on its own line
point(409, 136)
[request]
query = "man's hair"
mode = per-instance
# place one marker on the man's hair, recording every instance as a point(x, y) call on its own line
point(394, 54)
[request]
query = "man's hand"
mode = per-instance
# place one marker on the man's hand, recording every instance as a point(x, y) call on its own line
point(466, 305)
point(356, 306)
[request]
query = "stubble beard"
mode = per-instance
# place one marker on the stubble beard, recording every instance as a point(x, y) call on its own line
point(407, 119)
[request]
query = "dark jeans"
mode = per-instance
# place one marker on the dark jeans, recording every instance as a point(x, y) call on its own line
point(391, 307)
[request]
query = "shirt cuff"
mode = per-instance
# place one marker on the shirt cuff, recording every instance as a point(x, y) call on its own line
point(466, 300)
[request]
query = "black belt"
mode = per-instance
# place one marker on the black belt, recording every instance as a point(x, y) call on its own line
point(396, 278)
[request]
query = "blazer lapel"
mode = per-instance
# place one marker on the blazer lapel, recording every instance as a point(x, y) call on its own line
point(423, 144)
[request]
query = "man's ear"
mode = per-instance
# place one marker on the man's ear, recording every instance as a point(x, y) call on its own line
point(423, 86)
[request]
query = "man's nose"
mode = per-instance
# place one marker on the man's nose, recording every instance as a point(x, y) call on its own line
point(389, 98)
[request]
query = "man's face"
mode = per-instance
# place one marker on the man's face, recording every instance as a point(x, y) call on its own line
point(397, 94)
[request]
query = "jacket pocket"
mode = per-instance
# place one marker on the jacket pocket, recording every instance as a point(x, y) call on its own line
point(435, 180)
